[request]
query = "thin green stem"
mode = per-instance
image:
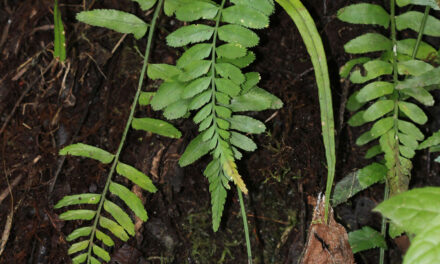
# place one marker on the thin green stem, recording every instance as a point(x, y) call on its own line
point(245, 224)
point(383, 229)
point(421, 30)
point(127, 127)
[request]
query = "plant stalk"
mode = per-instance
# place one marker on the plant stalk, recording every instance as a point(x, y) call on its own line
point(127, 126)
point(245, 224)
point(421, 30)
point(383, 229)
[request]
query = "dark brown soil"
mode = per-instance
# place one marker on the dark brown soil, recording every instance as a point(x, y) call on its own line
point(88, 101)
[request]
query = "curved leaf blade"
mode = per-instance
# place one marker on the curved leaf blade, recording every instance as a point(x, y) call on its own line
point(156, 126)
point(87, 151)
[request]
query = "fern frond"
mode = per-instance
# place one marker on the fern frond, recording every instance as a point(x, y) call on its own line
point(211, 83)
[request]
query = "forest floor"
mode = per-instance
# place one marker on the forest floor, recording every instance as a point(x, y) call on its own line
point(46, 106)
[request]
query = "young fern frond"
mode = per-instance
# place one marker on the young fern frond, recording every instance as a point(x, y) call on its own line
point(395, 83)
point(208, 79)
point(94, 238)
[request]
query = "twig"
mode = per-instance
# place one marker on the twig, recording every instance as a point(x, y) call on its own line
point(14, 183)
point(23, 94)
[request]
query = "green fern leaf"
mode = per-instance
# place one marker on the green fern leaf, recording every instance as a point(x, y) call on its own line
point(240, 62)
point(136, 176)
point(59, 35)
point(420, 94)
point(412, 20)
point(413, 112)
point(406, 152)
point(374, 69)
point(245, 16)
point(101, 253)
point(77, 247)
point(196, 10)
point(231, 72)
point(79, 232)
point(79, 259)
point(256, 99)
point(238, 35)
point(217, 190)
point(353, 104)
point(194, 70)
point(264, 6)
point(116, 20)
point(345, 70)
point(426, 79)
point(373, 151)
point(130, 199)
point(200, 100)
point(246, 124)
point(382, 126)
point(365, 238)
point(78, 215)
point(120, 216)
point(162, 71)
point(408, 141)
point(156, 126)
point(413, 67)
point(94, 260)
point(104, 238)
point(425, 51)
point(167, 94)
point(410, 129)
point(85, 198)
point(365, 14)
point(87, 151)
point(145, 98)
point(113, 227)
point(378, 109)
point(357, 119)
point(197, 52)
point(370, 42)
point(146, 4)
point(373, 91)
point(177, 109)
point(189, 34)
point(227, 86)
point(252, 79)
point(243, 142)
point(231, 51)
point(194, 151)
point(196, 86)
point(203, 113)
point(431, 141)
point(431, 3)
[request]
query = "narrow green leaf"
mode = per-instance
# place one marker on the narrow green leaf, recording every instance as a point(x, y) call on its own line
point(412, 20)
point(420, 94)
point(373, 151)
point(256, 99)
point(414, 112)
point(196, 86)
point(357, 119)
point(78, 215)
point(196, 10)
point(190, 34)
point(176, 110)
point(87, 151)
point(130, 199)
point(238, 35)
point(246, 124)
point(413, 67)
point(406, 152)
point(373, 69)
point(408, 141)
point(85, 198)
point(195, 69)
point(425, 247)
point(164, 72)
point(240, 62)
point(167, 94)
point(364, 14)
point(369, 42)
point(374, 90)
point(245, 16)
point(229, 71)
point(116, 20)
point(77, 247)
point(231, 51)
point(218, 199)
point(378, 109)
point(146, 4)
point(79, 232)
point(59, 38)
point(353, 104)
point(252, 79)
point(200, 100)
point(242, 141)
point(194, 151)
point(113, 227)
point(365, 138)
point(98, 251)
point(104, 238)
point(365, 238)
point(410, 129)
point(156, 126)
point(203, 113)
point(223, 112)
point(120, 216)
point(432, 3)
point(429, 78)
point(425, 51)
point(137, 177)
point(431, 141)
point(197, 52)
point(412, 209)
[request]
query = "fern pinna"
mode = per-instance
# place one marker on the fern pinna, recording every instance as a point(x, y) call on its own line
point(95, 237)
point(395, 88)
point(208, 79)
